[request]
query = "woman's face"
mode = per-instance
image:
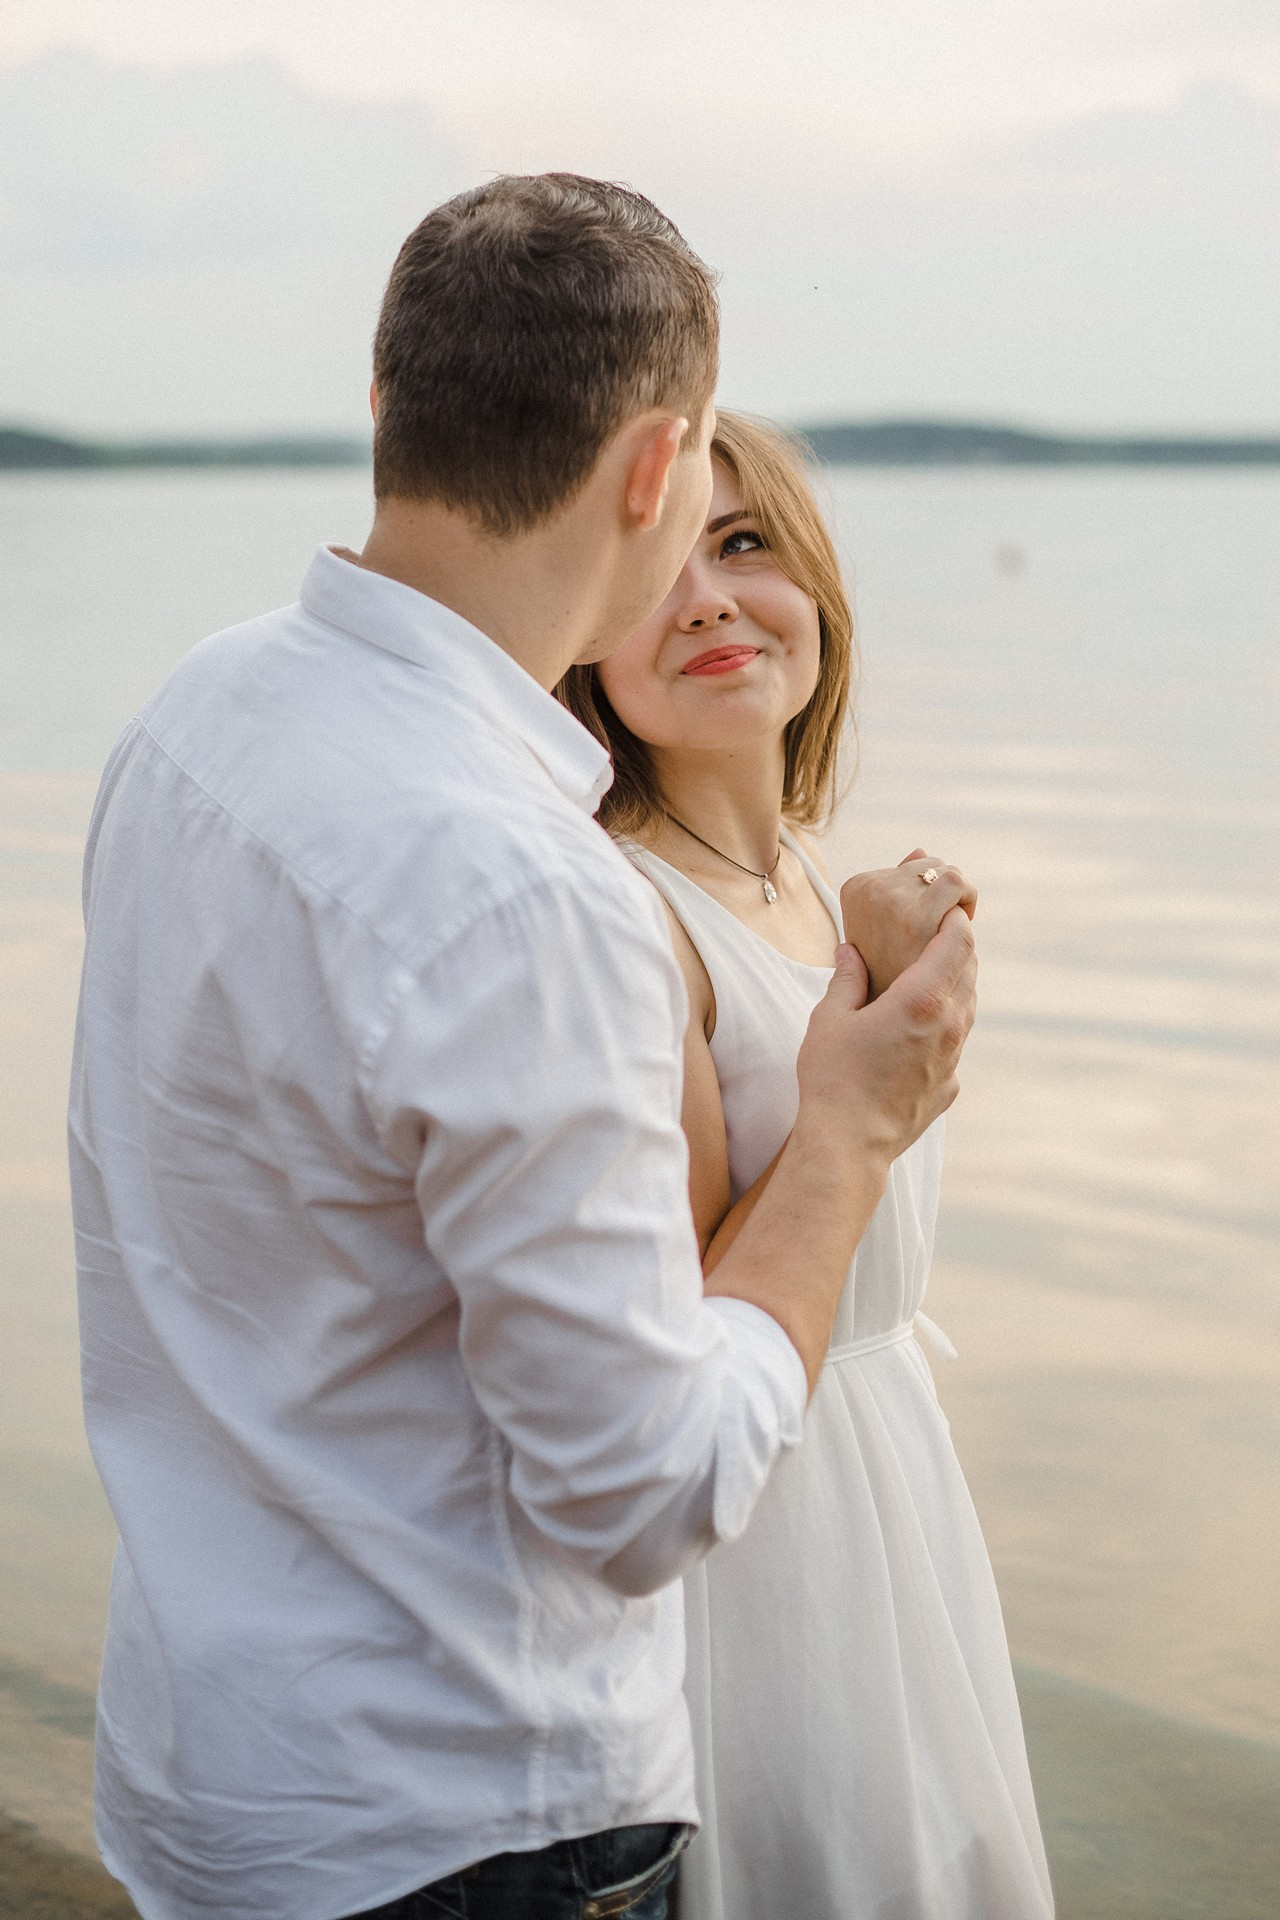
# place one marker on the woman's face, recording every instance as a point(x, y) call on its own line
point(731, 655)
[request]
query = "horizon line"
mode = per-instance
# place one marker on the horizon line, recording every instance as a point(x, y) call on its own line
point(895, 440)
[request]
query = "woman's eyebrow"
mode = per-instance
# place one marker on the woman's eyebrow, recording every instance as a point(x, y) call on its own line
point(727, 520)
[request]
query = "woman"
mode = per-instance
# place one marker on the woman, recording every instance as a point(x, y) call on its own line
point(859, 1745)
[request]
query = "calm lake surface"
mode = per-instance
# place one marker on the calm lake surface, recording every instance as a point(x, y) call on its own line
point(1072, 686)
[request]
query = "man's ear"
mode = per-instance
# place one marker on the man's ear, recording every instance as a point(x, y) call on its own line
point(650, 470)
point(373, 398)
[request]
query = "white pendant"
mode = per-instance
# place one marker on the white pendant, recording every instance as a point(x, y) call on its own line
point(770, 892)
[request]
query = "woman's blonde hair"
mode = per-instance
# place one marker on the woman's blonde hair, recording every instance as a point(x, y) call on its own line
point(769, 469)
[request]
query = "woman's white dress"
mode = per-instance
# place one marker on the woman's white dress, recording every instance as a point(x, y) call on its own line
point(858, 1739)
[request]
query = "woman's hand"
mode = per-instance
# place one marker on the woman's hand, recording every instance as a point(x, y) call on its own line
point(891, 914)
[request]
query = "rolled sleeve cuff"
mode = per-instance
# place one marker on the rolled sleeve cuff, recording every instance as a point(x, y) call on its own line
point(774, 1395)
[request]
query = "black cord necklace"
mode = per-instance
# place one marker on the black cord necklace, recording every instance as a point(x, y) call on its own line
point(765, 878)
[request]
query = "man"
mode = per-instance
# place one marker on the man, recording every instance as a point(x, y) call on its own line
point(398, 1369)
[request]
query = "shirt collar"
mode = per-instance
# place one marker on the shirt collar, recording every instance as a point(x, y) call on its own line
point(403, 621)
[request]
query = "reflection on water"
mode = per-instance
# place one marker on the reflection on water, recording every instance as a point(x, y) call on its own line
point(1108, 1260)
point(1072, 686)
point(1095, 735)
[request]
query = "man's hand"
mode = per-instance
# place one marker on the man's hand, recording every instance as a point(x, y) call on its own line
point(891, 914)
point(872, 1078)
point(881, 1073)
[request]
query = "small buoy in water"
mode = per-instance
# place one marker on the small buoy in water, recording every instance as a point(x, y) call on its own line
point(1010, 557)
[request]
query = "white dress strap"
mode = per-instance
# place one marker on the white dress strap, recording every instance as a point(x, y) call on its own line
point(818, 881)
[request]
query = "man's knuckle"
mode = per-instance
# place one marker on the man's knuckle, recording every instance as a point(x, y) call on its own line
point(927, 1005)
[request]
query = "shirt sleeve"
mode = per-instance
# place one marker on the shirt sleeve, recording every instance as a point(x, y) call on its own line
point(531, 1078)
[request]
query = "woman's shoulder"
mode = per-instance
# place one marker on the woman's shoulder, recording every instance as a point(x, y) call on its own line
point(702, 1000)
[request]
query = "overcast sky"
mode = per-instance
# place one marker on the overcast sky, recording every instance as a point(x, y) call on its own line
point(1064, 211)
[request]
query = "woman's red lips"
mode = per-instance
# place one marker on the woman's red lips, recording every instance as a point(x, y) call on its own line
point(720, 660)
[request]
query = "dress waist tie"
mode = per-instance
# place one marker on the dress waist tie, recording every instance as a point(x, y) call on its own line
point(891, 1337)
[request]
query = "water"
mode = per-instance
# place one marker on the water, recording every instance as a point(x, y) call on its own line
point(1073, 687)
point(1095, 736)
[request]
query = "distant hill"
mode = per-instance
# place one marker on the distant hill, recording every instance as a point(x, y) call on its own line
point(880, 443)
point(24, 451)
point(935, 443)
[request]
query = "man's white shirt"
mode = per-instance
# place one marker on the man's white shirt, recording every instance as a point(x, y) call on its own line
point(397, 1366)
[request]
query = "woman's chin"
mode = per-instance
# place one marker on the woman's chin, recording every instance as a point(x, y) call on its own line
point(731, 710)
point(729, 735)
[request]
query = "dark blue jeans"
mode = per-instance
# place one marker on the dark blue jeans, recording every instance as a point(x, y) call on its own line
point(627, 1872)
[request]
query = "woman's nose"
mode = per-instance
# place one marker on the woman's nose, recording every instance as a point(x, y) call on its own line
point(703, 605)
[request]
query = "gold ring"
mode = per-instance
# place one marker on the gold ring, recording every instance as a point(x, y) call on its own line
point(929, 875)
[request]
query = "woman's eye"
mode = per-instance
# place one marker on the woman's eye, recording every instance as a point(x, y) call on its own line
point(743, 540)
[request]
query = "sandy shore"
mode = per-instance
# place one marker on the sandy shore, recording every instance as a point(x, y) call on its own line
point(1146, 1818)
point(40, 1881)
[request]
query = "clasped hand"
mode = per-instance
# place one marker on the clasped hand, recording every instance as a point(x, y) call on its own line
point(891, 914)
point(880, 1058)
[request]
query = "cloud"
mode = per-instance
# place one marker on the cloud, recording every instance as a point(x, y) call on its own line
point(1161, 30)
point(1122, 269)
point(205, 249)
point(1218, 143)
point(108, 169)
point(201, 250)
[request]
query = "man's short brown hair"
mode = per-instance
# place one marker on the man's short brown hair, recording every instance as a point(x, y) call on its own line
point(524, 322)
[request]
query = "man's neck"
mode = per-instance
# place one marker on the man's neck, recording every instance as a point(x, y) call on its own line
point(537, 595)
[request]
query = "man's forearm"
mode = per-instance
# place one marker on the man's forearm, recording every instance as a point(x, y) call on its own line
point(790, 1250)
